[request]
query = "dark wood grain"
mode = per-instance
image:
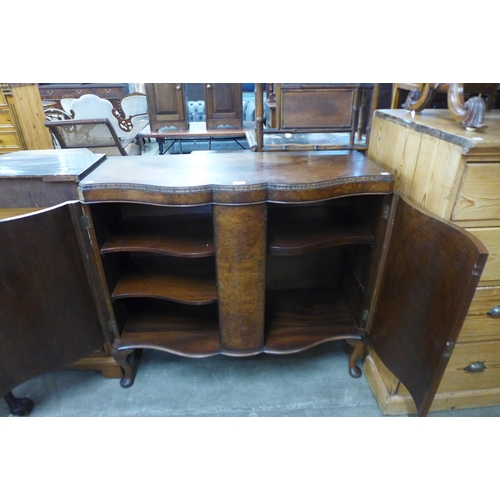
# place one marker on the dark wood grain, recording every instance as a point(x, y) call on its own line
point(236, 177)
point(167, 105)
point(191, 331)
point(182, 236)
point(30, 179)
point(430, 275)
point(48, 317)
point(223, 105)
point(240, 235)
point(307, 229)
point(300, 319)
point(186, 281)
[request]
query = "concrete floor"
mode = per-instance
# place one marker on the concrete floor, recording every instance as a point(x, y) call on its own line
point(314, 383)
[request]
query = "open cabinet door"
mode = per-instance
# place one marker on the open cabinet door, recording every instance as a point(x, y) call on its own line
point(48, 317)
point(429, 276)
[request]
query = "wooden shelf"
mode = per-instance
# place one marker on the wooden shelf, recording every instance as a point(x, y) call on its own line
point(299, 319)
point(186, 236)
point(295, 231)
point(176, 328)
point(192, 282)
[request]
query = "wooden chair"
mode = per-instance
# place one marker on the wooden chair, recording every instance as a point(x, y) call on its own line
point(90, 106)
point(55, 114)
point(134, 111)
point(52, 114)
point(310, 116)
point(67, 105)
point(96, 134)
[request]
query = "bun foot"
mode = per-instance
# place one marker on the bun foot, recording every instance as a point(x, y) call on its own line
point(355, 371)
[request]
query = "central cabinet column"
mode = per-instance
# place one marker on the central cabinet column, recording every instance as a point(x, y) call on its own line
point(240, 239)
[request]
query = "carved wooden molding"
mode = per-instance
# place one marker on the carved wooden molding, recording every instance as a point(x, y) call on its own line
point(469, 113)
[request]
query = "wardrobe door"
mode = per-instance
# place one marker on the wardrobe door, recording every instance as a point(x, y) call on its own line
point(48, 316)
point(428, 278)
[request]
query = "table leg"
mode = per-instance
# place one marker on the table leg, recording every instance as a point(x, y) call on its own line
point(160, 142)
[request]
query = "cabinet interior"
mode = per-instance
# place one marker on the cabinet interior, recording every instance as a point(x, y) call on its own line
point(161, 270)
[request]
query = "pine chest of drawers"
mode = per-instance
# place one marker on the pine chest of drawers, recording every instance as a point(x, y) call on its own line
point(455, 174)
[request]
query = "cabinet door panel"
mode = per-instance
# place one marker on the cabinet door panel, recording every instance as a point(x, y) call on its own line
point(223, 105)
point(48, 318)
point(167, 105)
point(430, 273)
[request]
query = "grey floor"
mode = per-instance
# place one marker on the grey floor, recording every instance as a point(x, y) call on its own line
point(314, 383)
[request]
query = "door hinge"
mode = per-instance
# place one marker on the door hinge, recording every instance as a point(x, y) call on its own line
point(86, 221)
point(386, 212)
point(448, 349)
point(365, 315)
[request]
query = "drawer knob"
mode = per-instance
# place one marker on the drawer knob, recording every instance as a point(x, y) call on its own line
point(476, 367)
point(178, 87)
point(209, 86)
point(494, 312)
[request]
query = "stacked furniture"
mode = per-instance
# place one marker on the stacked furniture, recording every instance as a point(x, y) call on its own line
point(455, 174)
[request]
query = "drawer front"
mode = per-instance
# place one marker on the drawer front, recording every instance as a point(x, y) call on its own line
point(5, 118)
point(468, 357)
point(110, 93)
point(9, 140)
point(464, 371)
point(479, 196)
point(479, 325)
point(60, 93)
point(491, 238)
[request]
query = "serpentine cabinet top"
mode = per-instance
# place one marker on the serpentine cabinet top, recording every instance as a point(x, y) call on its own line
point(234, 178)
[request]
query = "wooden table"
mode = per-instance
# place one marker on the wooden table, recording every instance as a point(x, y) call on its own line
point(198, 131)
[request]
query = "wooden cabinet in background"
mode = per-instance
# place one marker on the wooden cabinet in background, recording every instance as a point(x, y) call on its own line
point(455, 174)
point(223, 105)
point(167, 105)
point(113, 92)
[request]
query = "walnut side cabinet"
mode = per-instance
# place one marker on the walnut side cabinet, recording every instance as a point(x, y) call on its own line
point(235, 254)
point(454, 173)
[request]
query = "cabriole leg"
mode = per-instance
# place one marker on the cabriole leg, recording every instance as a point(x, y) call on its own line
point(128, 359)
point(355, 350)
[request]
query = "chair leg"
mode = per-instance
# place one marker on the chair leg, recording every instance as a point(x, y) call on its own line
point(19, 407)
